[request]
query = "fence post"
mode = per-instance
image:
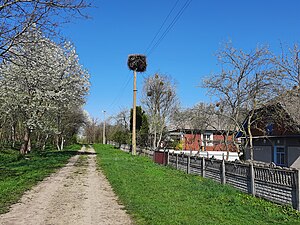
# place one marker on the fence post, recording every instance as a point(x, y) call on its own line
point(252, 179)
point(203, 167)
point(223, 179)
point(176, 161)
point(188, 164)
point(297, 186)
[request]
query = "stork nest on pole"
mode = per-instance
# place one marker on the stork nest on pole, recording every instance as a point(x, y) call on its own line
point(137, 63)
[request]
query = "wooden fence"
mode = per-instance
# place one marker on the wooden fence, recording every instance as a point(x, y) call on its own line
point(276, 184)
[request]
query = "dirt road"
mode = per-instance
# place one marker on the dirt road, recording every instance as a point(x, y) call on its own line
point(77, 194)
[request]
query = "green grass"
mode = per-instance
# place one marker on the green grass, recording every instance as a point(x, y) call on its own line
point(19, 173)
point(74, 147)
point(154, 194)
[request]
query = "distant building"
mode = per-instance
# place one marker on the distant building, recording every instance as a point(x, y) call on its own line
point(203, 140)
point(276, 131)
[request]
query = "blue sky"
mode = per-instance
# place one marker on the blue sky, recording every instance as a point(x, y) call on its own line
point(122, 27)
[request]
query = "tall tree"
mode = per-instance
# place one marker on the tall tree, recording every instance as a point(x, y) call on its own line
point(92, 131)
point(41, 82)
point(159, 99)
point(246, 82)
point(123, 119)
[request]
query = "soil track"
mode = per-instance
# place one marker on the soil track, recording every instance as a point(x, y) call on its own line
point(78, 194)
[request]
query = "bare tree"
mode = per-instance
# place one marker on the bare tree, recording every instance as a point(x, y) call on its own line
point(194, 119)
point(122, 119)
point(246, 82)
point(19, 16)
point(120, 128)
point(159, 99)
point(90, 130)
point(288, 65)
point(202, 117)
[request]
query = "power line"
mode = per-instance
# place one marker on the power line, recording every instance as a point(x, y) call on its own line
point(174, 21)
point(171, 25)
point(120, 93)
point(162, 25)
point(152, 47)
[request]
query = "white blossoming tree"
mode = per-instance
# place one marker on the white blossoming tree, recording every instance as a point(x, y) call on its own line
point(41, 83)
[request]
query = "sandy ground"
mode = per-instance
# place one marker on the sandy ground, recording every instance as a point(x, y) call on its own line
point(77, 194)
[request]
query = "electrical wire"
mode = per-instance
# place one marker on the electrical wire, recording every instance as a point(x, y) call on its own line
point(150, 48)
point(120, 93)
point(162, 25)
point(171, 25)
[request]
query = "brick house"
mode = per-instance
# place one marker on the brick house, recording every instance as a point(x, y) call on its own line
point(204, 140)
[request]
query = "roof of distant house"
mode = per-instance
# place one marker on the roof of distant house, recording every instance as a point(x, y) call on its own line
point(290, 101)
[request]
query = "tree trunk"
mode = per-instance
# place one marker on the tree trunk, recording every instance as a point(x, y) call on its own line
point(159, 140)
point(38, 143)
point(251, 146)
point(13, 135)
point(226, 145)
point(154, 139)
point(45, 141)
point(250, 137)
point(26, 142)
point(57, 143)
point(29, 145)
point(62, 143)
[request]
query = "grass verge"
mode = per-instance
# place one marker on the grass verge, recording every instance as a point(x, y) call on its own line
point(154, 194)
point(18, 173)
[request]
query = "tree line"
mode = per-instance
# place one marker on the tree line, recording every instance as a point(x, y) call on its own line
point(43, 85)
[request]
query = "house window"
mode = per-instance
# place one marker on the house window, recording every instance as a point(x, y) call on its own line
point(208, 139)
point(279, 156)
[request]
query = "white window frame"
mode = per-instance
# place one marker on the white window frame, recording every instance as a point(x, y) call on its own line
point(209, 141)
point(276, 159)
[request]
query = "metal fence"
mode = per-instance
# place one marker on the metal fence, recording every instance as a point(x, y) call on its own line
point(276, 184)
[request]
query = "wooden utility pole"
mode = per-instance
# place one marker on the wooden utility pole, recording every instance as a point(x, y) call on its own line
point(104, 141)
point(134, 115)
point(137, 63)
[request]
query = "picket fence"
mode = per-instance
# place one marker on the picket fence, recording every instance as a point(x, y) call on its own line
point(276, 184)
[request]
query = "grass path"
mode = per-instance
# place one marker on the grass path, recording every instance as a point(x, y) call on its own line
point(154, 194)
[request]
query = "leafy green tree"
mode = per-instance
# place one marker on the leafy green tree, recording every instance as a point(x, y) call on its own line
point(139, 118)
point(142, 126)
point(143, 134)
point(121, 136)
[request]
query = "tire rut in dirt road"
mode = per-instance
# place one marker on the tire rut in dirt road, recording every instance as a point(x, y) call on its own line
point(78, 194)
